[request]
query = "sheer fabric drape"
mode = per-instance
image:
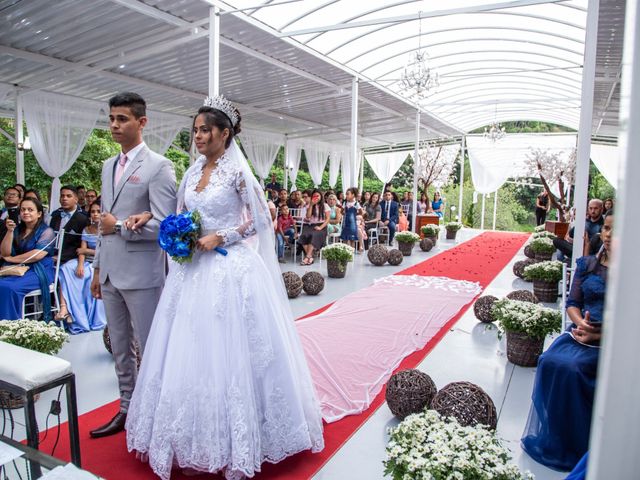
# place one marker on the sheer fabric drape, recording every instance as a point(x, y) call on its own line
point(262, 150)
point(162, 129)
point(59, 127)
point(317, 154)
point(335, 159)
point(385, 165)
point(606, 159)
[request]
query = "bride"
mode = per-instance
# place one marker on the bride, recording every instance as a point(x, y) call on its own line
point(224, 385)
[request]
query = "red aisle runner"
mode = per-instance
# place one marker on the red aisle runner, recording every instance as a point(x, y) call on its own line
point(477, 260)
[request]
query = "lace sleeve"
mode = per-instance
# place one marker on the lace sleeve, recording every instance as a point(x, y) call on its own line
point(248, 226)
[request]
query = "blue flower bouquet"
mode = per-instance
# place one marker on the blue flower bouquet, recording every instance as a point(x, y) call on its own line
point(179, 234)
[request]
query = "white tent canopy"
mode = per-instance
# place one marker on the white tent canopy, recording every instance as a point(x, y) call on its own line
point(607, 159)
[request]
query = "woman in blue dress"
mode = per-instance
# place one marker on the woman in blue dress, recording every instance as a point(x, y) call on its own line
point(86, 312)
point(438, 205)
point(351, 209)
point(31, 243)
point(557, 434)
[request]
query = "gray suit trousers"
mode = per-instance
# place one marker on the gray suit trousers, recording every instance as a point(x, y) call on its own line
point(129, 316)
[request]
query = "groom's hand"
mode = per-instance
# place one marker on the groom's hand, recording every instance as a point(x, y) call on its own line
point(96, 291)
point(107, 223)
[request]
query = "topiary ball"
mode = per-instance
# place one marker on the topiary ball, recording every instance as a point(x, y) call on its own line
point(378, 255)
point(409, 391)
point(519, 266)
point(293, 284)
point(467, 403)
point(312, 283)
point(395, 257)
point(528, 252)
point(523, 296)
point(426, 244)
point(482, 308)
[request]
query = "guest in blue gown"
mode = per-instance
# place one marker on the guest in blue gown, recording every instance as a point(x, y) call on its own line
point(557, 434)
point(31, 243)
point(438, 205)
point(75, 281)
point(580, 470)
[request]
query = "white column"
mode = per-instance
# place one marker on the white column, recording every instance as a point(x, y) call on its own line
point(214, 51)
point(615, 437)
point(354, 134)
point(286, 167)
point(495, 208)
point(361, 182)
point(584, 129)
point(416, 160)
point(462, 149)
point(19, 139)
point(484, 196)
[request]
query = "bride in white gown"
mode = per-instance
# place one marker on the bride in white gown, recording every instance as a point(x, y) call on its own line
point(224, 384)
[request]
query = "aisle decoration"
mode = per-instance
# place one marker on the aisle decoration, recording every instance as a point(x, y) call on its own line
point(545, 277)
point(467, 403)
point(452, 229)
point(409, 391)
point(312, 283)
point(395, 257)
point(292, 283)
point(426, 244)
point(482, 308)
point(378, 255)
point(542, 248)
point(406, 240)
point(338, 255)
point(431, 232)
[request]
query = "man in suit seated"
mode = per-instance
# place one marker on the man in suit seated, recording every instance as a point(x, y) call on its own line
point(390, 214)
point(70, 218)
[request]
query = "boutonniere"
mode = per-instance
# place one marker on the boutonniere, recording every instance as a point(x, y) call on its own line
point(134, 179)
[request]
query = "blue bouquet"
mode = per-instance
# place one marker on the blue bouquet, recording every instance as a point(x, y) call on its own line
point(179, 234)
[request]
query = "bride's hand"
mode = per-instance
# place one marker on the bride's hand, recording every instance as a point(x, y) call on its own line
point(209, 242)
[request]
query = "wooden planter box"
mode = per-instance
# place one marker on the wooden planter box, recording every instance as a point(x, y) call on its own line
point(423, 220)
point(559, 229)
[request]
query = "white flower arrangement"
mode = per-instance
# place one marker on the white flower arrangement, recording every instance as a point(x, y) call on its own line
point(34, 335)
point(340, 252)
point(539, 228)
point(427, 446)
point(548, 271)
point(453, 226)
point(543, 234)
point(407, 237)
point(525, 317)
point(542, 245)
point(430, 229)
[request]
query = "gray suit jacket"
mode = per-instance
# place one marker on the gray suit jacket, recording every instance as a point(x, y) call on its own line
point(134, 260)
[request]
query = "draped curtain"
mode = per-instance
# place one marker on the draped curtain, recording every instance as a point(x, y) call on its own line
point(294, 150)
point(385, 165)
point(334, 167)
point(161, 130)
point(606, 159)
point(317, 154)
point(262, 150)
point(59, 127)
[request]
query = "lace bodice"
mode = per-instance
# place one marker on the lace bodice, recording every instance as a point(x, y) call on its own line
point(223, 203)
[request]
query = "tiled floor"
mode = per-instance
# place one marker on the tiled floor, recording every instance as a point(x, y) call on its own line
point(468, 352)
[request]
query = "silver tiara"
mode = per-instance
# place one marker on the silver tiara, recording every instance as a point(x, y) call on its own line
point(225, 106)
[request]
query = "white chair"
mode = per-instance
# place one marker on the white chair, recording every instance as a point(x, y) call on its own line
point(384, 232)
point(372, 233)
point(566, 285)
point(33, 299)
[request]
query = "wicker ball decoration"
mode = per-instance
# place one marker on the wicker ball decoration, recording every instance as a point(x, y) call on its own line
point(409, 391)
point(519, 266)
point(467, 403)
point(378, 255)
point(395, 257)
point(293, 284)
point(426, 244)
point(523, 296)
point(312, 283)
point(482, 308)
point(528, 252)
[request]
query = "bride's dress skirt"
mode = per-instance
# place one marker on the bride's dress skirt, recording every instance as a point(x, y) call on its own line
point(224, 385)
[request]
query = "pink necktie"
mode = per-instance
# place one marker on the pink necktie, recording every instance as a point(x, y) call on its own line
point(120, 169)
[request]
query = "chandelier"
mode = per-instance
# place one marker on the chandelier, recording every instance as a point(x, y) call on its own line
point(417, 76)
point(495, 131)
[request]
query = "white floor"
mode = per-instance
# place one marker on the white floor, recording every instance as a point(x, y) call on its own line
point(468, 352)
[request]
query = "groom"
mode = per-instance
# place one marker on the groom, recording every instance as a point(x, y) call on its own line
point(129, 265)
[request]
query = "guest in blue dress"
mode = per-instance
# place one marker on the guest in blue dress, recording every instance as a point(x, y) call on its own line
point(580, 470)
point(351, 209)
point(557, 433)
point(438, 205)
point(31, 243)
point(75, 282)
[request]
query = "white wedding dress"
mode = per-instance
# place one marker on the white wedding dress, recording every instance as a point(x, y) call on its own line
point(224, 384)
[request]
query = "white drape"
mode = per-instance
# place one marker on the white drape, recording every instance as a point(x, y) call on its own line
point(294, 150)
point(492, 164)
point(385, 165)
point(161, 130)
point(334, 167)
point(59, 127)
point(606, 158)
point(262, 150)
point(317, 154)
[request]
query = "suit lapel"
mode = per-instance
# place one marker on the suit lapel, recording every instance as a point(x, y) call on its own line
point(137, 163)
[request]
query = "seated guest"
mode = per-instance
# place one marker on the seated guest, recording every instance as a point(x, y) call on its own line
point(282, 198)
point(607, 206)
point(21, 188)
point(295, 200)
point(340, 197)
point(593, 224)
point(11, 209)
point(557, 434)
point(273, 185)
point(77, 302)
point(335, 216)
point(314, 226)
point(91, 196)
point(390, 217)
point(403, 222)
point(286, 231)
point(70, 218)
point(364, 198)
point(424, 205)
point(81, 198)
point(372, 211)
point(30, 243)
point(437, 206)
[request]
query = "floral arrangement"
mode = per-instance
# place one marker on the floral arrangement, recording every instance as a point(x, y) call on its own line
point(34, 335)
point(430, 230)
point(526, 317)
point(539, 228)
point(340, 252)
point(427, 446)
point(542, 245)
point(453, 226)
point(179, 234)
point(407, 237)
point(543, 234)
point(549, 271)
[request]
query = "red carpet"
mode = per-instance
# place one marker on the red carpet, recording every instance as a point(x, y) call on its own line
point(478, 260)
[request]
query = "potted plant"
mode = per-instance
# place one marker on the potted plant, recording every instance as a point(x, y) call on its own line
point(545, 277)
point(527, 325)
point(406, 241)
point(337, 256)
point(431, 232)
point(34, 335)
point(452, 229)
point(428, 445)
point(542, 248)
point(542, 234)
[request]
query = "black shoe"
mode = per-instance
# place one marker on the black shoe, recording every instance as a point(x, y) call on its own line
point(115, 425)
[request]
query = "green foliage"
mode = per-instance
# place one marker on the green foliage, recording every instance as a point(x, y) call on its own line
point(599, 187)
point(542, 245)
point(407, 237)
point(526, 317)
point(430, 230)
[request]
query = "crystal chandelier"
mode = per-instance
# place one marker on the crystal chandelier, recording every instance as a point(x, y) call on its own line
point(495, 131)
point(417, 76)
